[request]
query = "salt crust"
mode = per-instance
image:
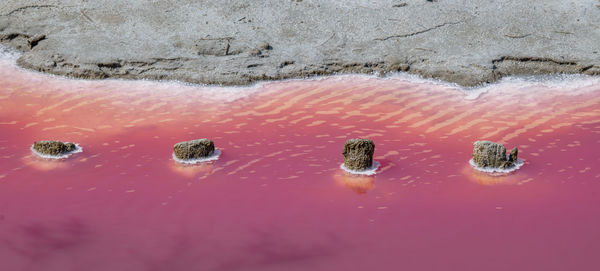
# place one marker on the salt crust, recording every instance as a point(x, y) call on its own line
point(516, 166)
point(212, 157)
point(369, 171)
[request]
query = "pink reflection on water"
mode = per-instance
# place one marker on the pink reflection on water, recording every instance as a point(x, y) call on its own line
point(276, 198)
point(358, 183)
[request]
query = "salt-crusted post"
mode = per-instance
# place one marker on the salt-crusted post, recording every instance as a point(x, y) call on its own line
point(493, 155)
point(194, 149)
point(54, 148)
point(358, 154)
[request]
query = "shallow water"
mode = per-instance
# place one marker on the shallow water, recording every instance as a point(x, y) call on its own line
point(276, 199)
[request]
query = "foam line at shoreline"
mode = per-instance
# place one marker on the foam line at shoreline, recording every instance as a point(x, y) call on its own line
point(516, 166)
point(9, 54)
point(212, 157)
point(369, 171)
point(564, 82)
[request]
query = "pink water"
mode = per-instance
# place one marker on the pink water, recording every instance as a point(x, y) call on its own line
point(277, 199)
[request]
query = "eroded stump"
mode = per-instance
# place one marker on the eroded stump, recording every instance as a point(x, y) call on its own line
point(54, 148)
point(493, 155)
point(358, 154)
point(194, 149)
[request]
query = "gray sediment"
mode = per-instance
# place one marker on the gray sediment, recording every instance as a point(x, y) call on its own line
point(468, 42)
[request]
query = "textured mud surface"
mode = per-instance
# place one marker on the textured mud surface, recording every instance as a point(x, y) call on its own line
point(238, 42)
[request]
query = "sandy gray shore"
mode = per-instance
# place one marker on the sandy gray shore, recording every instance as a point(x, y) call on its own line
point(468, 42)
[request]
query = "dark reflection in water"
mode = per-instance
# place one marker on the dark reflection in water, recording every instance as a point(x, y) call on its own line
point(41, 240)
point(261, 250)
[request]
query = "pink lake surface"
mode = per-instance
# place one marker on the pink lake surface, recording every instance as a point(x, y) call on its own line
point(277, 199)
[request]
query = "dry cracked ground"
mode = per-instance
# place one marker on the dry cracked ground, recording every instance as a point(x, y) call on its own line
point(468, 42)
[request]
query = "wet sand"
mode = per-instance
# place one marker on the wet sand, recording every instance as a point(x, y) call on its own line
point(276, 197)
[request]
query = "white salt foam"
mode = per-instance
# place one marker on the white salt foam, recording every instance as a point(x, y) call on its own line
point(369, 171)
point(516, 166)
point(212, 157)
point(8, 54)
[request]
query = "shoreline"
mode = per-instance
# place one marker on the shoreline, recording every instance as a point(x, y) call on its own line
point(230, 93)
point(238, 44)
point(535, 66)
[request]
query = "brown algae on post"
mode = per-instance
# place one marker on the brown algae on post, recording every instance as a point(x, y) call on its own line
point(358, 156)
point(54, 149)
point(195, 151)
point(491, 157)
